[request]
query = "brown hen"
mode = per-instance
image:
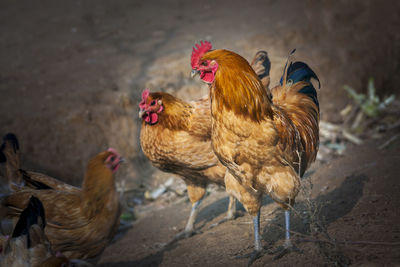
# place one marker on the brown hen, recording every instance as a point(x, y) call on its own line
point(28, 244)
point(80, 221)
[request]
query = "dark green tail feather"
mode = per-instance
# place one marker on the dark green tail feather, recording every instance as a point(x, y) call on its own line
point(30, 216)
point(300, 72)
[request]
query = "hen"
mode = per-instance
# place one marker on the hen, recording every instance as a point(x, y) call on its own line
point(266, 144)
point(80, 221)
point(261, 66)
point(176, 137)
point(28, 245)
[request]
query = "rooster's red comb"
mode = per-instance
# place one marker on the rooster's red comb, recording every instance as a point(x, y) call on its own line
point(198, 52)
point(145, 95)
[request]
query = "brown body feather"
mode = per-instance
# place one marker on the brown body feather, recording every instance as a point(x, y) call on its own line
point(29, 246)
point(260, 141)
point(17, 253)
point(80, 222)
point(180, 143)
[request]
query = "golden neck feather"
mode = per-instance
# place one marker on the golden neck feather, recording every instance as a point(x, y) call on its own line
point(236, 86)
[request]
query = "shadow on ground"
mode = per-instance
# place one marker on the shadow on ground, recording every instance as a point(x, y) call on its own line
point(334, 205)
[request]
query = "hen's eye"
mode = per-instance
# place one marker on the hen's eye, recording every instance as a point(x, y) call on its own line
point(112, 158)
point(153, 103)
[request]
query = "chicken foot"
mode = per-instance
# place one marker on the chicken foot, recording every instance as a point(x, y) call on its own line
point(258, 249)
point(231, 214)
point(189, 229)
point(287, 245)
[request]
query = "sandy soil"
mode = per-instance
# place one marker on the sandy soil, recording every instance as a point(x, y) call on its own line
point(72, 73)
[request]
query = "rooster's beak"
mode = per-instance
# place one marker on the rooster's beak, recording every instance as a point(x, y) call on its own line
point(194, 73)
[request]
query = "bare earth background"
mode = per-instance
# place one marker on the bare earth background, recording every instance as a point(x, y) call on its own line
point(72, 72)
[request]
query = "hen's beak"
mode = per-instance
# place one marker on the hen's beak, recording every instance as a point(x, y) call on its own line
point(141, 113)
point(194, 73)
point(121, 160)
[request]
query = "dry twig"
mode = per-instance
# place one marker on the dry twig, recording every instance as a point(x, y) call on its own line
point(388, 142)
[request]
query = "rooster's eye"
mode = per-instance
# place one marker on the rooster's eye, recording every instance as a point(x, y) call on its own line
point(204, 63)
point(153, 103)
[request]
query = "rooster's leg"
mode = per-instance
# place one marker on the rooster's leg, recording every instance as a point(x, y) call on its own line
point(258, 249)
point(256, 225)
point(288, 243)
point(287, 246)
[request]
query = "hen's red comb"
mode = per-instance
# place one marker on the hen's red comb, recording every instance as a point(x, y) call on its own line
point(198, 52)
point(113, 150)
point(145, 95)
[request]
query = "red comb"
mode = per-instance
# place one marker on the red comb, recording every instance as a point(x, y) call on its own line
point(198, 52)
point(145, 95)
point(112, 150)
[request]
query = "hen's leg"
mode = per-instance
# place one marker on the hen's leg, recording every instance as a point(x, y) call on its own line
point(192, 218)
point(231, 214)
point(196, 194)
point(189, 229)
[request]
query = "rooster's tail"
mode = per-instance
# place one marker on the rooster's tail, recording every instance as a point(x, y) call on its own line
point(297, 97)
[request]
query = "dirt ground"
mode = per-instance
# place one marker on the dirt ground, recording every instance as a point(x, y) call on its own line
point(72, 73)
point(358, 194)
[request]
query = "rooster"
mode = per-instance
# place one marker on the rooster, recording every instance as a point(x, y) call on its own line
point(267, 143)
point(176, 137)
point(80, 221)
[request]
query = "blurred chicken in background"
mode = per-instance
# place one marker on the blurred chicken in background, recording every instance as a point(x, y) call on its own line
point(80, 221)
point(28, 244)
